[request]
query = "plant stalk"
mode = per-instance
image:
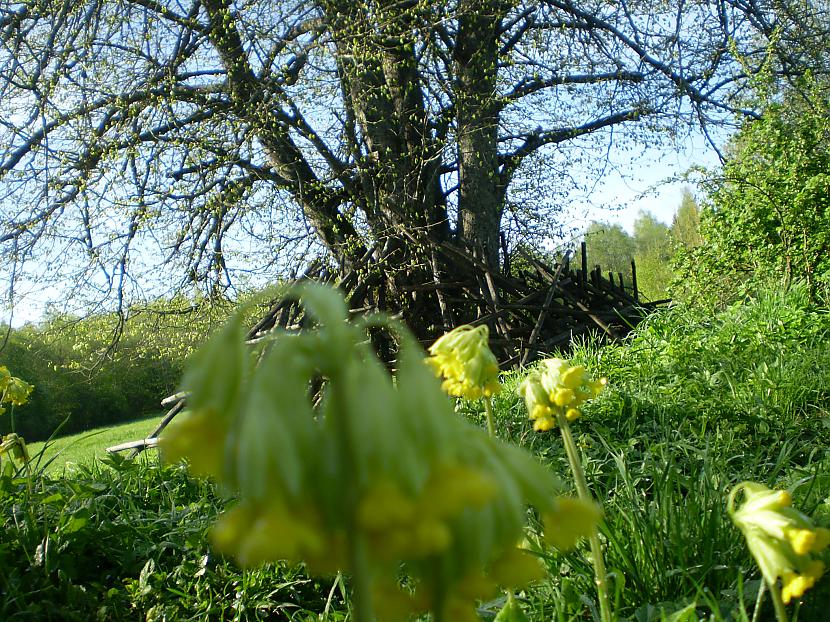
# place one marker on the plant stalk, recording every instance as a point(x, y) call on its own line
point(488, 413)
point(758, 602)
point(780, 610)
point(361, 608)
point(600, 575)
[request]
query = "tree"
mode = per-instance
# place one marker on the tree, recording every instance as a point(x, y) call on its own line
point(610, 247)
point(768, 211)
point(220, 136)
point(685, 226)
point(654, 252)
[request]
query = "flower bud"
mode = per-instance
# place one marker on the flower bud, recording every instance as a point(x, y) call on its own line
point(780, 538)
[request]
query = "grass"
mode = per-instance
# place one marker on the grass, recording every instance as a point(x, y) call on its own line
point(695, 404)
point(67, 452)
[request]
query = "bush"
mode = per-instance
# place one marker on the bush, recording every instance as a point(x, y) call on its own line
point(768, 211)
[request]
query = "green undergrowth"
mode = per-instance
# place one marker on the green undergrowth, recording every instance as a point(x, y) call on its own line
point(127, 540)
point(695, 403)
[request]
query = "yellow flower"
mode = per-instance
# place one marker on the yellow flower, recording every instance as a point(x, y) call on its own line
point(516, 568)
point(780, 538)
point(451, 489)
point(569, 521)
point(794, 585)
point(463, 358)
point(557, 387)
point(393, 604)
point(17, 392)
point(13, 390)
point(199, 437)
point(260, 533)
point(372, 479)
point(15, 446)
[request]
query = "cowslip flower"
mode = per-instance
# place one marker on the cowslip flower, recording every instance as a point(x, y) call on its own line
point(569, 521)
point(557, 387)
point(13, 390)
point(782, 540)
point(14, 446)
point(552, 393)
point(464, 359)
point(375, 477)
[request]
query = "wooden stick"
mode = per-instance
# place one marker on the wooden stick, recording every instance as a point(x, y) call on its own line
point(534, 334)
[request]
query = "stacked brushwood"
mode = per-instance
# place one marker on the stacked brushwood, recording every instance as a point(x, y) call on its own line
point(532, 307)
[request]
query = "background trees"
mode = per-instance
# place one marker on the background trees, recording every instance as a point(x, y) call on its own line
point(220, 138)
point(767, 213)
point(654, 246)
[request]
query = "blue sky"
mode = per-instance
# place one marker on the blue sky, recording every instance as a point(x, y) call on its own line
point(643, 185)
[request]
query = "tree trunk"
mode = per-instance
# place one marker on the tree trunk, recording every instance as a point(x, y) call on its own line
point(477, 117)
point(400, 174)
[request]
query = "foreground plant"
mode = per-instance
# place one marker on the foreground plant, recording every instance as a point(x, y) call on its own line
point(782, 540)
point(553, 393)
point(374, 477)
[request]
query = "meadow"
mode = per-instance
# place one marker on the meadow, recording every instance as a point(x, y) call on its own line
point(696, 402)
point(67, 453)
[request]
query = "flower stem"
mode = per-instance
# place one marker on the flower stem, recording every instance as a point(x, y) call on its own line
point(361, 609)
point(488, 413)
point(758, 602)
point(600, 576)
point(780, 611)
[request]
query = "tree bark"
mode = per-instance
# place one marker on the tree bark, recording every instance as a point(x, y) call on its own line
point(477, 118)
point(402, 166)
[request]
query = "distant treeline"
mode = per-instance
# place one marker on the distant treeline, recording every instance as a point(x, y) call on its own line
point(95, 371)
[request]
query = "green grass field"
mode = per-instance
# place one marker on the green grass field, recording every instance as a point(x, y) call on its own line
point(85, 447)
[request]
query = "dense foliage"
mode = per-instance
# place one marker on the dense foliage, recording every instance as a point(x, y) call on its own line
point(768, 209)
point(125, 542)
point(98, 370)
point(697, 403)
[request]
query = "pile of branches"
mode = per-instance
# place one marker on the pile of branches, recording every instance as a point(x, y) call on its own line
point(531, 306)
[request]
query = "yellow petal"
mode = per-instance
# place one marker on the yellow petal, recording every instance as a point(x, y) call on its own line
point(569, 521)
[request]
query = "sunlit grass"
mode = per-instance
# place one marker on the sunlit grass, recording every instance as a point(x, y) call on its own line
point(83, 448)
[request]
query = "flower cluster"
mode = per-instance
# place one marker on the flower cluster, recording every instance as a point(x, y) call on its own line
point(782, 540)
point(464, 359)
point(556, 387)
point(13, 390)
point(375, 475)
point(16, 392)
point(14, 446)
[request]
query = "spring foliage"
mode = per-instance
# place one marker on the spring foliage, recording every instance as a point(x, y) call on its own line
point(768, 211)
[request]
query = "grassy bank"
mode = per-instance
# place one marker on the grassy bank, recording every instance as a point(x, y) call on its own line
point(695, 404)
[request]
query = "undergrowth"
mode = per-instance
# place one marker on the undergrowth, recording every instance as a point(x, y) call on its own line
point(125, 540)
point(695, 404)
